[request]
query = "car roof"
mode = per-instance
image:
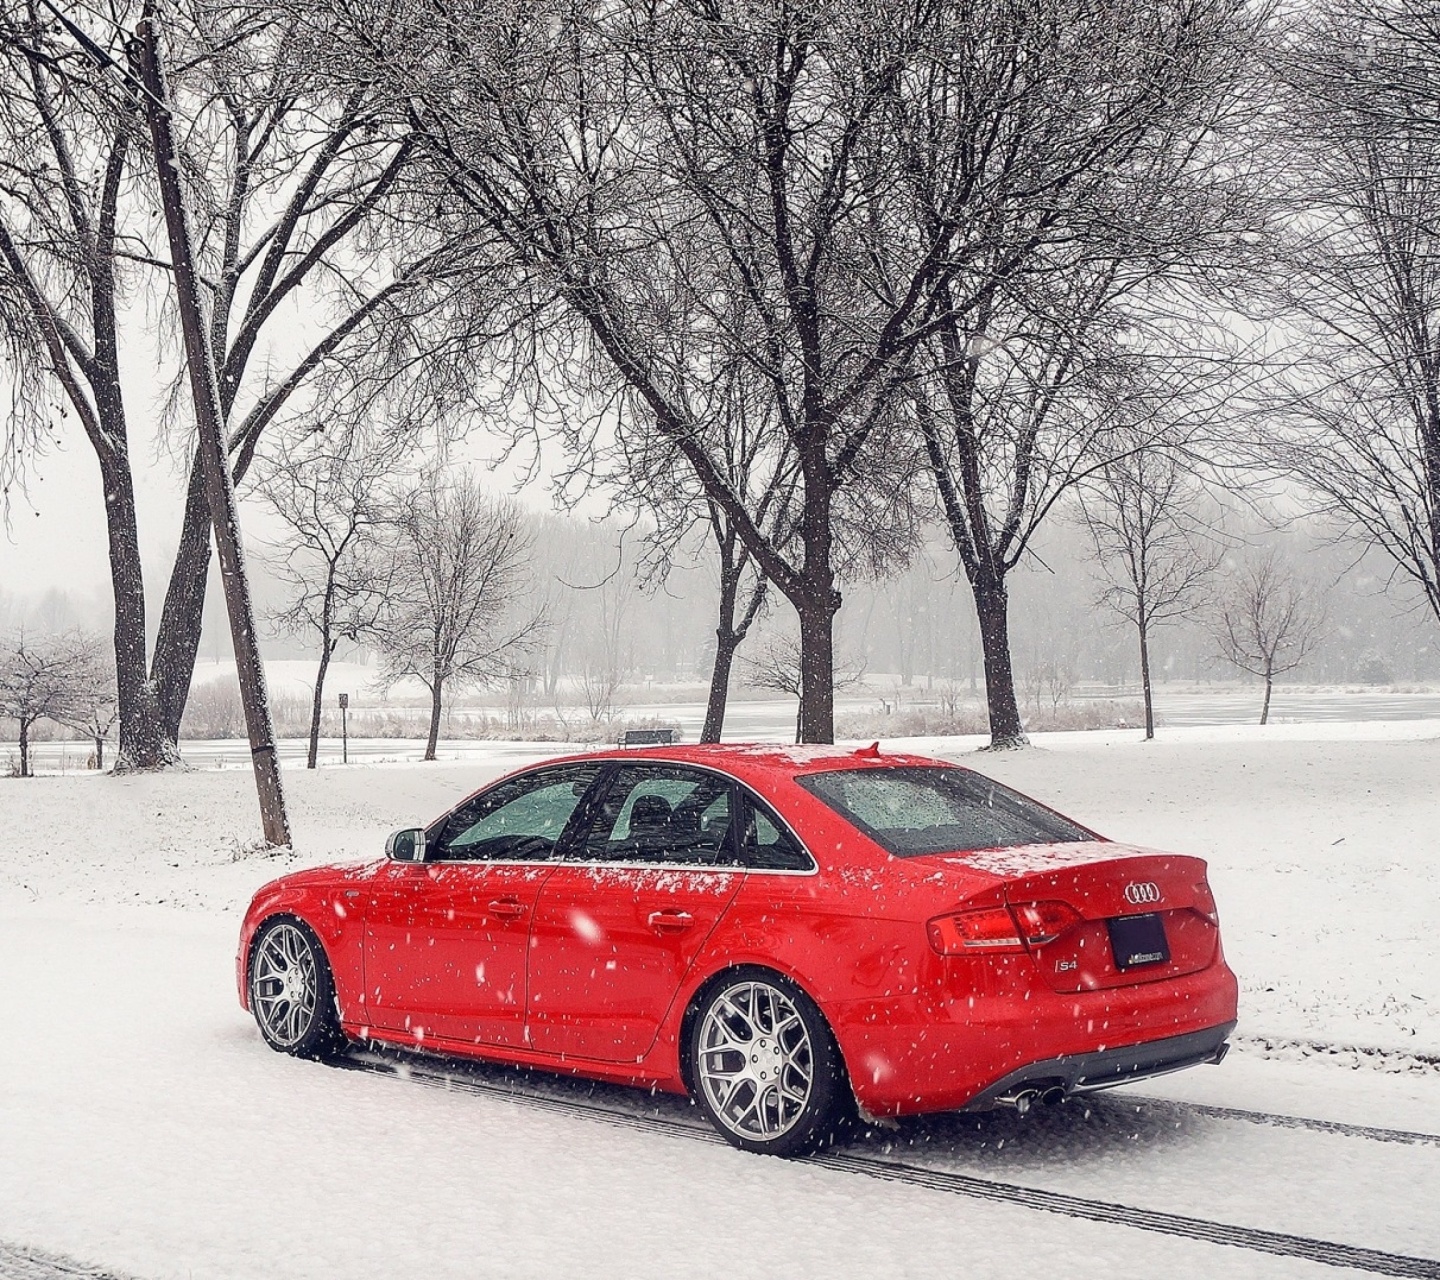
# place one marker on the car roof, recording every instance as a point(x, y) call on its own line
point(758, 760)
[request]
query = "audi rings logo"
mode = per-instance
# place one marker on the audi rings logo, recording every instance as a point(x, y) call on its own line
point(1142, 892)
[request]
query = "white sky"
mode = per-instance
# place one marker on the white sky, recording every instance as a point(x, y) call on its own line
point(55, 538)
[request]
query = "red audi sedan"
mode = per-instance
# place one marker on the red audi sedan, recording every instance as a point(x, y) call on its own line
point(792, 936)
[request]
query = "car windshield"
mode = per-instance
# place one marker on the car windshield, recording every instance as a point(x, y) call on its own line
point(910, 811)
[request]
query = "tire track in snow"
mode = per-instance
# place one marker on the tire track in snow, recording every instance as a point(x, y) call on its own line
point(17, 1262)
point(1255, 1239)
point(1338, 1127)
point(1369, 1056)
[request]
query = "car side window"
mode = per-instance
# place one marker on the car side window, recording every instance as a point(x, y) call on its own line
point(767, 844)
point(662, 814)
point(520, 820)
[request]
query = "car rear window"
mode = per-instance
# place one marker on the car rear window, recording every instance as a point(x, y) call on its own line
point(914, 810)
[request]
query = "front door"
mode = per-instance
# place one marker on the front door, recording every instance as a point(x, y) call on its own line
point(446, 939)
point(624, 913)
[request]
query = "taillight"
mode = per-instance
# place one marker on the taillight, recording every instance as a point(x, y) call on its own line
point(1031, 924)
point(1205, 903)
point(1042, 922)
point(984, 929)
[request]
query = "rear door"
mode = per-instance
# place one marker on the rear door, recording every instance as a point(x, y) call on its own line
point(623, 915)
point(446, 939)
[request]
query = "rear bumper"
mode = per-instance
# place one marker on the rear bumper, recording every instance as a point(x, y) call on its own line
point(918, 1055)
point(1105, 1068)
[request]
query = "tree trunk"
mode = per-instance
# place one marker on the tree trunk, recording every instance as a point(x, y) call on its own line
point(817, 668)
point(178, 641)
point(436, 691)
point(99, 753)
point(24, 748)
point(1145, 682)
point(816, 600)
point(146, 742)
point(728, 637)
point(315, 707)
point(1265, 707)
point(992, 607)
point(726, 642)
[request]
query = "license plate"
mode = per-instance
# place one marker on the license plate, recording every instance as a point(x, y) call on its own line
point(1138, 940)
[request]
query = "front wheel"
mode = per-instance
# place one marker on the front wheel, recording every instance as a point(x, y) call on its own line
point(292, 993)
point(766, 1068)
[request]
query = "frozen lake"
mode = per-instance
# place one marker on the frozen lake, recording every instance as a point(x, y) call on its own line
point(773, 719)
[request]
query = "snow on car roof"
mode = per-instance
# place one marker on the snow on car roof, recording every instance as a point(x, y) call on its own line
point(770, 755)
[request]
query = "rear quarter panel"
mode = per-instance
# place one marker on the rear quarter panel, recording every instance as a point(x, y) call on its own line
point(852, 935)
point(919, 1031)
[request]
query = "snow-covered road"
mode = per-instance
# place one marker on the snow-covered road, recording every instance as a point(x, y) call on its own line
point(148, 1129)
point(145, 1129)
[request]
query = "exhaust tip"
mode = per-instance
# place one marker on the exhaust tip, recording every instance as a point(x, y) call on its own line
point(1052, 1096)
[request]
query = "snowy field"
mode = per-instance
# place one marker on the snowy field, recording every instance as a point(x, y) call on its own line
point(145, 1130)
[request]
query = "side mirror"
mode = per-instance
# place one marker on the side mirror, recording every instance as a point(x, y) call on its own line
point(406, 845)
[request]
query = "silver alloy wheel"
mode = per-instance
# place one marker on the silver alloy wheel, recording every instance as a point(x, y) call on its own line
point(755, 1061)
point(284, 984)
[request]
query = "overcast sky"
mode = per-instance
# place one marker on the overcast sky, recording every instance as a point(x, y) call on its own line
point(54, 533)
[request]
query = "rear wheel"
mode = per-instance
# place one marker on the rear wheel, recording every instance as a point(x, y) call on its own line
point(292, 993)
point(766, 1068)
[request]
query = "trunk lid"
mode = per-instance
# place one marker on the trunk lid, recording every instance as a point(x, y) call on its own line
point(1104, 883)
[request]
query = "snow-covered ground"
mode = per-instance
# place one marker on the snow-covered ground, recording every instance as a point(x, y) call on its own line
point(145, 1128)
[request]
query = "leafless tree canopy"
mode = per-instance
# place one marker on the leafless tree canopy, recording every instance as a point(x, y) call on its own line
point(334, 493)
point(834, 200)
point(73, 230)
point(294, 173)
point(456, 604)
point(704, 188)
point(1355, 411)
point(1269, 621)
point(1154, 551)
point(60, 677)
point(804, 278)
point(1110, 195)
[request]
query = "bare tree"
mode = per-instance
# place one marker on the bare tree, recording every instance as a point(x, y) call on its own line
point(296, 181)
point(739, 578)
point(44, 679)
point(1026, 423)
point(602, 650)
point(299, 173)
point(1154, 552)
point(700, 186)
point(94, 708)
point(1356, 415)
point(1096, 143)
point(455, 610)
point(333, 493)
point(1268, 622)
point(777, 666)
point(69, 244)
point(749, 446)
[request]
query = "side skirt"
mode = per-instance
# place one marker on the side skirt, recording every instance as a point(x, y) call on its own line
point(641, 1074)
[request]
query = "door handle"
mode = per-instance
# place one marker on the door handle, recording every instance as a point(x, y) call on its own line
point(507, 908)
point(671, 921)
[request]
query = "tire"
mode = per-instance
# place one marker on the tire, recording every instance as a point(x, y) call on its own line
point(292, 993)
point(766, 1069)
